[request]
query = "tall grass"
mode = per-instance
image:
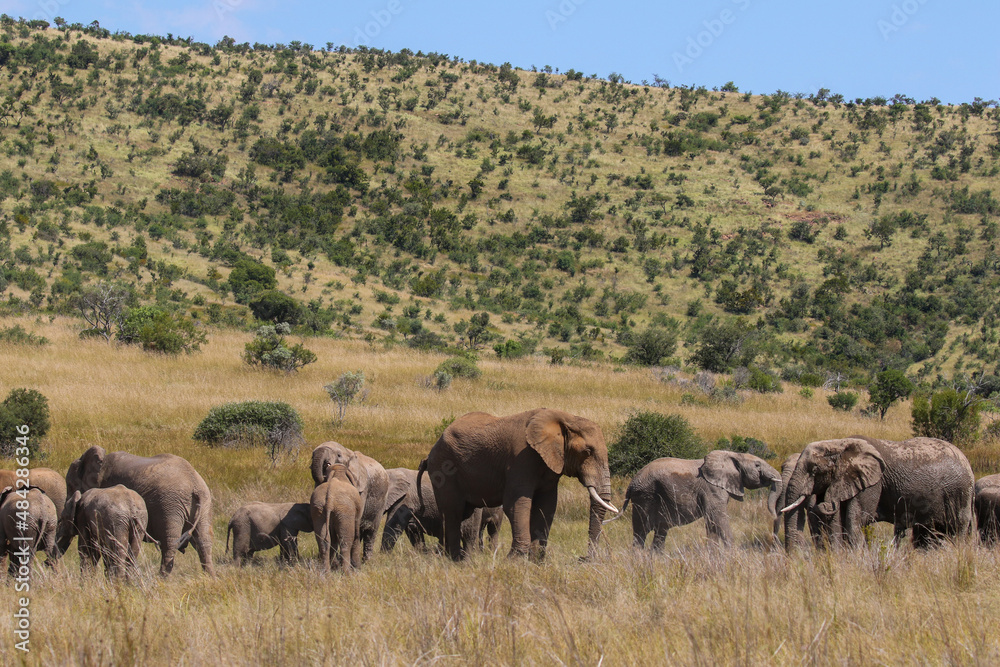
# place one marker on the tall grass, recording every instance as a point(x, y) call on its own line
point(694, 604)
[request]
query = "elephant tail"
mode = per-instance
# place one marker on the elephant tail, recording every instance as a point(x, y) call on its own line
point(421, 469)
point(195, 520)
point(229, 529)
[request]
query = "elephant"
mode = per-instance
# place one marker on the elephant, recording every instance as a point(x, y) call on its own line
point(46, 479)
point(671, 492)
point(404, 513)
point(516, 461)
point(923, 484)
point(178, 501)
point(372, 483)
point(111, 523)
point(988, 508)
point(259, 526)
point(336, 509)
point(39, 526)
point(822, 528)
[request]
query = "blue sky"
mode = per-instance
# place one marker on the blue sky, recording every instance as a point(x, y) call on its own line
point(920, 48)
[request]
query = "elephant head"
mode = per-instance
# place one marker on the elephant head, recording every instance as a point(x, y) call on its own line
point(85, 472)
point(834, 471)
point(67, 526)
point(574, 446)
point(331, 453)
point(736, 471)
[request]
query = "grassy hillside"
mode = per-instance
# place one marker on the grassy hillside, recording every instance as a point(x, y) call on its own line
point(397, 195)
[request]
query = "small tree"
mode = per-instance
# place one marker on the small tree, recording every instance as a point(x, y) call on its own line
point(723, 345)
point(649, 435)
point(950, 415)
point(889, 386)
point(345, 391)
point(269, 349)
point(23, 407)
point(653, 345)
point(103, 306)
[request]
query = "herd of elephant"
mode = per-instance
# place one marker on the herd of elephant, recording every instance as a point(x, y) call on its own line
point(484, 468)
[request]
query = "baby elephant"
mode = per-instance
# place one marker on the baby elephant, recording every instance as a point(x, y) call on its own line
point(26, 513)
point(260, 526)
point(988, 508)
point(404, 514)
point(674, 492)
point(111, 523)
point(336, 509)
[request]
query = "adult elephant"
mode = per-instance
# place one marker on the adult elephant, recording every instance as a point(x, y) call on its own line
point(48, 480)
point(988, 508)
point(406, 514)
point(516, 461)
point(825, 528)
point(369, 477)
point(671, 492)
point(177, 499)
point(923, 484)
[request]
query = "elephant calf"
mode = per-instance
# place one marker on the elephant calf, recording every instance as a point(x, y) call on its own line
point(674, 492)
point(336, 509)
point(404, 514)
point(111, 524)
point(988, 508)
point(37, 523)
point(260, 526)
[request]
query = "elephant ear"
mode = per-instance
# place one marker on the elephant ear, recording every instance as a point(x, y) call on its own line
point(400, 485)
point(6, 492)
point(90, 468)
point(357, 473)
point(69, 509)
point(858, 467)
point(545, 433)
point(720, 469)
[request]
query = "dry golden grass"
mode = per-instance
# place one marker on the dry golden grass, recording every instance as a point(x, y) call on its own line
point(694, 604)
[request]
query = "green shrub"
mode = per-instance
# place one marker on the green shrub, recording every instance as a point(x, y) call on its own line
point(646, 436)
point(269, 349)
point(763, 382)
point(18, 335)
point(23, 407)
point(746, 445)
point(274, 306)
point(810, 380)
point(156, 330)
point(889, 386)
point(806, 392)
point(270, 424)
point(948, 415)
point(653, 345)
point(460, 367)
point(843, 400)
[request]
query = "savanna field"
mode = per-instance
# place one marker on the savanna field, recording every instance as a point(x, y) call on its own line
point(695, 604)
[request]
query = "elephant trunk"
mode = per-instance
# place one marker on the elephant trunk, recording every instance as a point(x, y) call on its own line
point(64, 536)
point(796, 496)
point(773, 496)
point(600, 504)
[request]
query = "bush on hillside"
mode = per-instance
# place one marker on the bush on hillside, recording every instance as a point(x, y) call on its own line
point(948, 415)
point(646, 436)
point(23, 407)
point(843, 400)
point(269, 349)
point(270, 424)
point(460, 367)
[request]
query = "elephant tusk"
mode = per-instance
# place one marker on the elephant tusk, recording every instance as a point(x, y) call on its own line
point(600, 501)
point(794, 505)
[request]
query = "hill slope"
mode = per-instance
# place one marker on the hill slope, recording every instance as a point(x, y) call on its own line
point(400, 195)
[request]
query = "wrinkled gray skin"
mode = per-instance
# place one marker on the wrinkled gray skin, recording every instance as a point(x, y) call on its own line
point(673, 492)
point(988, 508)
point(336, 509)
point(111, 524)
point(177, 499)
point(260, 526)
point(826, 529)
point(516, 461)
point(46, 479)
point(404, 514)
point(923, 484)
point(41, 527)
point(372, 483)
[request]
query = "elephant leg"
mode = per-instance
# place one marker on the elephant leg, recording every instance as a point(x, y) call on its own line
point(355, 551)
point(517, 507)
point(659, 536)
point(640, 526)
point(717, 526)
point(453, 530)
point(470, 533)
point(89, 555)
point(168, 548)
point(543, 510)
point(368, 537)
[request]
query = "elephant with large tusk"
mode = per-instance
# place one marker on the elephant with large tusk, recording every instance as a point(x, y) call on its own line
point(516, 461)
point(671, 492)
point(923, 484)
